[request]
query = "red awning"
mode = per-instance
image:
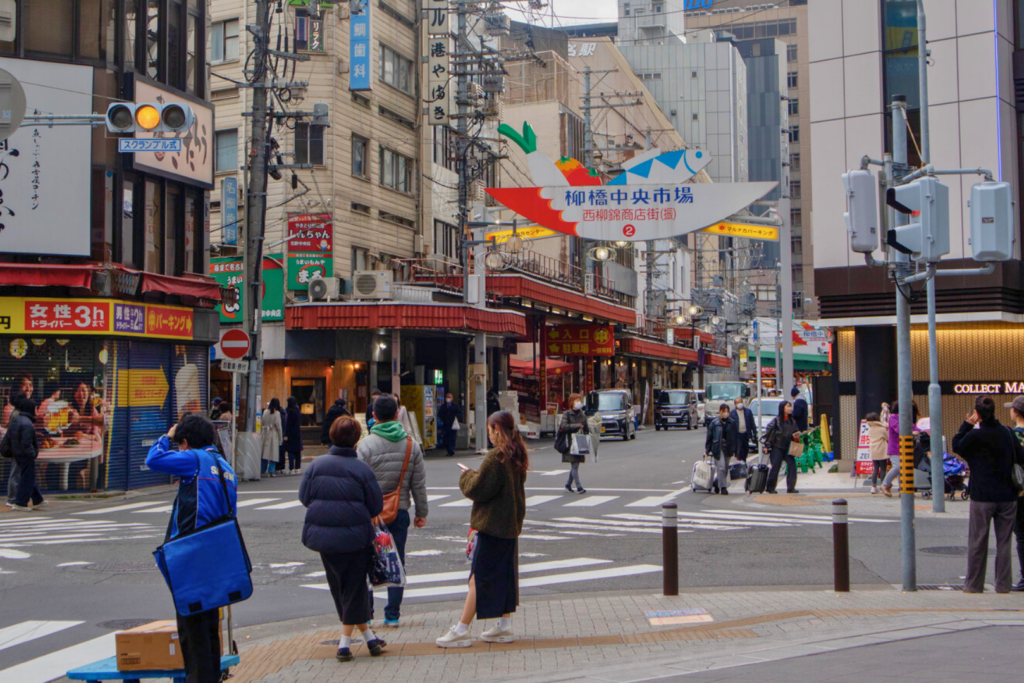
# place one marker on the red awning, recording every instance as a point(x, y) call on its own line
point(47, 274)
point(198, 286)
point(404, 316)
point(651, 349)
point(525, 367)
point(518, 286)
point(718, 361)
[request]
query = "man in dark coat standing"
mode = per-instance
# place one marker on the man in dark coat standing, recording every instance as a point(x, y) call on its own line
point(447, 415)
point(800, 410)
point(333, 413)
point(746, 429)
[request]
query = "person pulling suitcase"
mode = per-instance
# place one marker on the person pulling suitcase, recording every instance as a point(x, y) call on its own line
point(719, 444)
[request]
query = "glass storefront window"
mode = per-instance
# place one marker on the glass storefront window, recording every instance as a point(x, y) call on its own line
point(154, 228)
point(899, 35)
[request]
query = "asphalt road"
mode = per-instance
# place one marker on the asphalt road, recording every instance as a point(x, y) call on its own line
point(85, 568)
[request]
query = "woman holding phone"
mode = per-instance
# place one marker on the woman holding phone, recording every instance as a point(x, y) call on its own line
point(498, 492)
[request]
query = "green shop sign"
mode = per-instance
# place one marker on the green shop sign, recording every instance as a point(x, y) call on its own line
point(304, 267)
point(229, 272)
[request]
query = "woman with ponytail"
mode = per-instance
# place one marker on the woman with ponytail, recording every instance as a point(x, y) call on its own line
point(498, 492)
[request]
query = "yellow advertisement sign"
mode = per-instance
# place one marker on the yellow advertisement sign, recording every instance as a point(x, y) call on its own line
point(745, 230)
point(530, 232)
point(141, 388)
point(44, 315)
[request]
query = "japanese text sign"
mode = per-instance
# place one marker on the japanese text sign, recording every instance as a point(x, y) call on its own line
point(229, 210)
point(304, 267)
point(311, 233)
point(580, 340)
point(360, 34)
point(435, 14)
point(230, 272)
point(93, 316)
point(438, 80)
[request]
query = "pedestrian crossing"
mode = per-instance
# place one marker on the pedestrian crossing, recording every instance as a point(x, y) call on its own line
point(36, 531)
point(455, 581)
point(54, 665)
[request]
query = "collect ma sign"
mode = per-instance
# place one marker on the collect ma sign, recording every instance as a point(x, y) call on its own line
point(989, 388)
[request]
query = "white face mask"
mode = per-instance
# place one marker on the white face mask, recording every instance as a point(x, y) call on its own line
point(577, 405)
point(447, 400)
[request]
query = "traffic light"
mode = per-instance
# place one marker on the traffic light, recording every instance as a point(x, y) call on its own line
point(149, 117)
point(861, 211)
point(992, 222)
point(926, 199)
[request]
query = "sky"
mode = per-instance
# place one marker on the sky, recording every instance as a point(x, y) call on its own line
point(566, 12)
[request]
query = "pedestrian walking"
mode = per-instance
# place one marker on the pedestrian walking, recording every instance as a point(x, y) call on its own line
point(449, 418)
point(202, 498)
point(1017, 415)
point(892, 447)
point(403, 415)
point(23, 443)
point(574, 421)
point(746, 429)
point(10, 412)
point(991, 451)
point(282, 455)
point(272, 436)
point(337, 409)
point(498, 492)
point(493, 405)
point(215, 408)
point(718, 444)
point(780, 434)
point(878, 434)
point(293, 437)
point(342, 497)
point(369, 407)
point(396, 460)
point(800, 410)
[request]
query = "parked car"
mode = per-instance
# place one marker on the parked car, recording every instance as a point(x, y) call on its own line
point(615, 407)
point(769, 408)
point(675, 408)
point(700, 408)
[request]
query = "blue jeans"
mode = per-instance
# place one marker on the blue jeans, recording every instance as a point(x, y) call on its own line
point(400, 532)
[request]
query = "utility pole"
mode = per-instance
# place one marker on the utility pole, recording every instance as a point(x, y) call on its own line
point(256, 213)
point(786, 259)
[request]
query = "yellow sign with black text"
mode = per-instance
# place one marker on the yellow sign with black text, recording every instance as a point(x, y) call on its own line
point(745, 230)
point(530, 232)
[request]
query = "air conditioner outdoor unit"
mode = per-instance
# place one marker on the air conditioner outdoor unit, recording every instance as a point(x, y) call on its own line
point(324, 289)
point(372, 284)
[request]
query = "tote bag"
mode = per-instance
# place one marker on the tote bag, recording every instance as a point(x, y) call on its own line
point(208, 567)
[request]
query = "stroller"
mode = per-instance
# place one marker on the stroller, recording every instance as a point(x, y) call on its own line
point(955, 473)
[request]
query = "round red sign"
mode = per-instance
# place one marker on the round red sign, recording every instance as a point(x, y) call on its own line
point(629, 230)
point(234, 344)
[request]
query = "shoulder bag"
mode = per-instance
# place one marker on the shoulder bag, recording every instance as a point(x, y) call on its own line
point(208, 567)
point(392, 500)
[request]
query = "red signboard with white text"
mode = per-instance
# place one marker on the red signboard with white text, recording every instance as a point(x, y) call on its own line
point(311, 233)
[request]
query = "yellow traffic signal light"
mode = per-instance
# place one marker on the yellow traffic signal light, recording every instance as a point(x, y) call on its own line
point(149, 117)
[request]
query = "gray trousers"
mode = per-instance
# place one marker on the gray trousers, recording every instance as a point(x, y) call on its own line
point(12, 483)
point(722, 465)
point(894, 470)
point(1003, 515)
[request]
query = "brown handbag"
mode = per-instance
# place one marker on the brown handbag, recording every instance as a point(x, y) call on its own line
point(393, 499)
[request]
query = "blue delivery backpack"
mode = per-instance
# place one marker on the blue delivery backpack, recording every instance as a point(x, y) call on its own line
point(209, 567)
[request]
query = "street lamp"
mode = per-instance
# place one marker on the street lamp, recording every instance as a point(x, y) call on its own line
point(601, 253)
point(694, 310)
point(716, 320)
point(680, 319)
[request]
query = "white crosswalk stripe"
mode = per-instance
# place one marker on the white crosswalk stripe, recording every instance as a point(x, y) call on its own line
point(120, 508)
point(533, 501)
point(656, 501)
point(436, 496)
point(56, 664)
point(30, 630)
point(48, 531)
point(162, 508)
point(463, 503)
point(255, 501)
point(590, 501)
point(280, 506)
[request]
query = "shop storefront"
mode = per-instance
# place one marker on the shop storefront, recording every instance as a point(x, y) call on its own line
point(109, 377)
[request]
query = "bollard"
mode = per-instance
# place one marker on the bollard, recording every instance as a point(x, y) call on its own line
point(841, 546)
point(670, 548)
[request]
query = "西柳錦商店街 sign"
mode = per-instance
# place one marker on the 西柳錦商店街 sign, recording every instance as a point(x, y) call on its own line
point(631, 212)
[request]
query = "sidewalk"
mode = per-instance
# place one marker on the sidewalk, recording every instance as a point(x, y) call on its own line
point(608, 637)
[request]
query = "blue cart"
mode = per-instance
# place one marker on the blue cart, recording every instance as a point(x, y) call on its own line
point(106, 670)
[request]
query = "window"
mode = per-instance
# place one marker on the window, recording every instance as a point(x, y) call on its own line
point(794, 162)
point(791, 53)
point(443, 154)
point(360, 259)
point(395, 70)
point(153, 40)
point(95, 27)
point(309, 144)
point(224, 41)
point(192, 52)
point(308, 32)
point(794, 107)
point(796, 218)
point(128, 197)
point(153, 226)
point(50, 27)
point(657, 9)
point(226, 151)
point(791, 79)
point(794, 189)
point(395, 170)
point(446, 240)
point(794, 133)
point(175, 73)
point(130, 20)
point(395, 218)
point(360, 161)
point(223, 94)
point(360, 208)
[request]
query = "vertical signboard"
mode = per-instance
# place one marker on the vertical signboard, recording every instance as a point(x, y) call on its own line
point(359, 46)
point(229, 210)
point(438, 58)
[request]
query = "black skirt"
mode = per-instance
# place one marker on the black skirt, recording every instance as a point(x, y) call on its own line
point(494, 568)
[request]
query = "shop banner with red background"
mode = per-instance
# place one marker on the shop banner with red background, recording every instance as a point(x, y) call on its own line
point(580, 340)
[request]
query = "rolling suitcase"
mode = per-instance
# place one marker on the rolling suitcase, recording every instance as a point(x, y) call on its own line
point(704, 475)
point(757, 479)
point(737, 470)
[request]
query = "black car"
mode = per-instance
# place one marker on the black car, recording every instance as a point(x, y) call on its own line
point(675, 408)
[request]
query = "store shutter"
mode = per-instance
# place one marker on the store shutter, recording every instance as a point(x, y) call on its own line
point(114, 474)
point(149, 408)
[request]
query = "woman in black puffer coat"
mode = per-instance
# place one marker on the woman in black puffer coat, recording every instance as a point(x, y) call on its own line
point(341, 496)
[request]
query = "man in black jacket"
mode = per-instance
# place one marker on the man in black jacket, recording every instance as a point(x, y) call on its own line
point(746, 429)
point(991, 450)
point(333, 413)
point(800, 410)
point(719, 443)
point(25, 447)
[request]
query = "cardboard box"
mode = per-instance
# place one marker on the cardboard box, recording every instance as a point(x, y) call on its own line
point(152, 646)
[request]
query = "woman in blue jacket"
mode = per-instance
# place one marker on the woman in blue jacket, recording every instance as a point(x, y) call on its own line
point(201, 499)
point(342, 496)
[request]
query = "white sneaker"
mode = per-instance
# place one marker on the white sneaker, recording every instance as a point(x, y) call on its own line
point(42, 505)
point(453, 639)
point(874, 489)
point(498, 635)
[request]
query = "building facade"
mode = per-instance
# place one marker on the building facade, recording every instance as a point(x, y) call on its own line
point(107, 312)
point(862, 54)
